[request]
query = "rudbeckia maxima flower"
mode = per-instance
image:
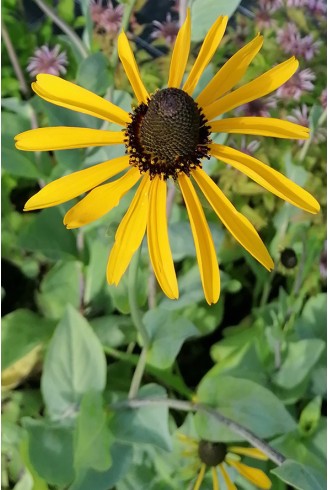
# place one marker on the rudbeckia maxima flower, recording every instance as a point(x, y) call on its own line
point(166, 137)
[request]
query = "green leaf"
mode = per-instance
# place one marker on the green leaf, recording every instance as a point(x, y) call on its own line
point(301, 358)
point(60, 287)
point(50, 450)
point(93, 73)
point(167, 334)
point(31, 475)
point(313, 320)
point(22, 331)
point(300, 476)
point(146, 425)
point(205, 12)
point(92, 439)
point(74, 364)
point(243, 401)
point(47, 234)
point(19, 164)
point(310, 417)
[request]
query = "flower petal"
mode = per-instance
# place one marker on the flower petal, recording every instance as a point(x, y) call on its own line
point(252, 452)
point(262, 85)
point(131, 68)
point(158, 239)
point(75, 184)
point(71, 96)
point(253, 475)
point(205, 251)
point(100, 200)
point(263, 126)
point(215, 478)
point(130, 233)
point(227, 480)
point(209, 46)
point(66, 138)
point(231, 72)
point(200, 477)
point(239, 226)
point(180, 53)
point(267, 177)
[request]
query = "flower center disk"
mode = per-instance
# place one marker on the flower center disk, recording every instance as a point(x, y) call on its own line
point(212, 453)
point(167, 135)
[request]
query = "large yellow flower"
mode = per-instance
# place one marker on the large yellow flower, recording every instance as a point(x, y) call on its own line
point(166, 136)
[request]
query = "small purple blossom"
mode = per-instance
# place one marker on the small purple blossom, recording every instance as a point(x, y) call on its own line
point(317, 7)
point(296, 3)
point(263, 16)
point(296, 85)
point(257, 108)
point(249, 148)
point(108, 18)
point(46, 60)
point(288, 37)
point(301, 115)
point(323, 98)
point(307, 47)
point(167, 30)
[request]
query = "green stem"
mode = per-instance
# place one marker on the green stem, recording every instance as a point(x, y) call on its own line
point(185, 406)
point(50, 12)
point(14, 59)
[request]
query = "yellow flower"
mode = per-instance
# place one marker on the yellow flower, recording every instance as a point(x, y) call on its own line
point(217, 456)
point(166, 136)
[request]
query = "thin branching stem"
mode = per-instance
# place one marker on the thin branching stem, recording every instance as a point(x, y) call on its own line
point(14, 59)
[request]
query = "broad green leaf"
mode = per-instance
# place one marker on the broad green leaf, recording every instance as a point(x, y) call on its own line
point(47, 234)
point(22, 331)
point(121, 455)
point(114, 330)
point(167, 334)
point(31, 476)
point(93, 73)
point(50, 451)
point(19, 164)
point(300, 476)
point(245, 402)
point(74, 364)
point(146, 425)
point(310, 416)
point(92, 438)
point(313, 320)
point(60, 287)
point(301, 358)
point(205, 12)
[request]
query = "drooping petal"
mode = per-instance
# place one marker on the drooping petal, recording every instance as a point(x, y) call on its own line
point(267, 177)
point(239, 226)
point(71, 96)
point(207, 50)
point(180, 53)
point(215, 479)
point(66, 138)
point(100, 200)
point(205, 251)
point(252, 452)
point(262, 126)
point(200, 477)
point(75, 184)
point(231, 72)
point(158, 239)
point(131, 68)
point(227, 480)
point(262, 85)
point(253, 475)
point(130, 233)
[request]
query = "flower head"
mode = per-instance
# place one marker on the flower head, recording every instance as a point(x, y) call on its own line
point(317, 7)
point(46, 60)
point(300, 115)
point(295, 87)
point(166, 136)
point(219, 458)
point(168, 30)
point(108, 18)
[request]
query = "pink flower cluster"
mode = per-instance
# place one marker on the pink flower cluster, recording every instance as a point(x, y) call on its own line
point(292, 42)
point(46, 60)
point(106, 18)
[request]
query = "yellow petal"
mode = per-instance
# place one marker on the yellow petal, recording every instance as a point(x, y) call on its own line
point(262, 85)
point(209, 46)
point(180, 53)
point(252, 452)
point(130, 233)
point(100, 200)
point(267, 177)
point(239, 226)
point(230, 73)
point(66, 138)
point(215, 479)
point(158, 240)
point(75, 184)
point(21, 369)
point(71, 96)
point(205, 251)
point(200, 477)
point(131, 68)
point(227, 480)
point(253, 475)
point(263, 126)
